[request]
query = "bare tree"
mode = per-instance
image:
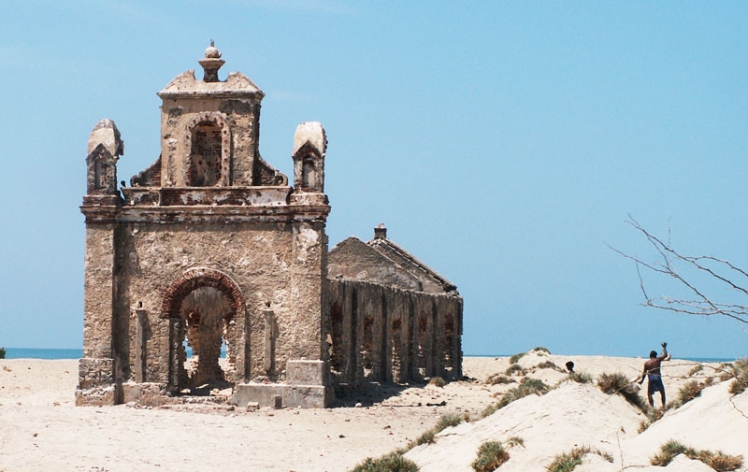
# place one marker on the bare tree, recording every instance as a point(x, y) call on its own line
point(687, 270)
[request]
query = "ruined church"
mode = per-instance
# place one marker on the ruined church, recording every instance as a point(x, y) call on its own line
point(210, 272)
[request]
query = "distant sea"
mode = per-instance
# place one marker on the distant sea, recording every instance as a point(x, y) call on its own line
point(29, 353)
point(33, 353)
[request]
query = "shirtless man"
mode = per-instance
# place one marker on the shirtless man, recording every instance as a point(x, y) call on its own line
point(652, 370)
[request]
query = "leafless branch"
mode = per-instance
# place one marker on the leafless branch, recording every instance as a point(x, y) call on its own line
point(701, 304)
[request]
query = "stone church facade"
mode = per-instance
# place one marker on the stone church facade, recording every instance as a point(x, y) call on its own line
point(211, 249)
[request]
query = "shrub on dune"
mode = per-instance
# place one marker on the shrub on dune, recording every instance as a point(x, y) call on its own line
point(740, 382)
point(515, 358)
point(528, 386)
point(491, 455)
point(618, 384)
point(568, 461)
point(496, 379)
point(580, 377)
point(429, 436)
point(515, 368)
point(718, 461)
point(689, 391)
point(392, 462)
point(548, 365)
point(437, 382)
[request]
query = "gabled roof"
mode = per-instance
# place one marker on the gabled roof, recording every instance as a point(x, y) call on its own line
point(408, 261)
point(384, 262)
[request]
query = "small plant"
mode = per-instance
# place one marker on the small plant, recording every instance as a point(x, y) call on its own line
point(515, 441)
point(568, 461)
point(721, 462)
point(428, 437)
point(695, 370)
point(547, 365)
point(689, 391)
point(495, 379)
point(652, 416)
point(580, 377)
point(515, 358)
point(437, 382)
point(618, 384)
point(392, 462)
point(668, 451)
point(718, 461)
point(491, 455)
point(740, 383)
point(446, 422)
point(726, 370)
point(541, 349)
point(515, 368)
point(527, 387)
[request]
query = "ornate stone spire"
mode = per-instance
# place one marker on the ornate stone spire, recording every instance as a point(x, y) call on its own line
point(211, 63)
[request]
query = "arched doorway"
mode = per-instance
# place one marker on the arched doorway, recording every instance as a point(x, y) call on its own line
point(204, 314)
point(205, 310)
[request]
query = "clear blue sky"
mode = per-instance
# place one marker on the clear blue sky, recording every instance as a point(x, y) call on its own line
point(503, 143)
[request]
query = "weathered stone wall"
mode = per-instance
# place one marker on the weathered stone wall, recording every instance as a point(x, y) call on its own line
point(259, 258)
point(385, 334)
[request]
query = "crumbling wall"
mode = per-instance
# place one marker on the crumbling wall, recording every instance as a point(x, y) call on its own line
point(261, 260)
point(384, 334)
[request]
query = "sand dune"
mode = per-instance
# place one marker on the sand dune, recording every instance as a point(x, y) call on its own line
point(43, 430)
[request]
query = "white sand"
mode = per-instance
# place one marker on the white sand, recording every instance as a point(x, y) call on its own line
point(41, 429)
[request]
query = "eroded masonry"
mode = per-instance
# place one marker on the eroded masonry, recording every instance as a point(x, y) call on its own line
point(210, 273)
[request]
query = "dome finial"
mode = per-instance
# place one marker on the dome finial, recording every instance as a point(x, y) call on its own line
point(211, 63)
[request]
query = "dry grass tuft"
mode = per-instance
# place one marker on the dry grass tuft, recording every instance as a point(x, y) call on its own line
point(740, 382)
point(695, 370)
point(580, 377)
point(548, 365)
point(722, 462)
point(437, 382)
point(392, 462)
point(618, 384)
point(491, 455)
point(718, 461)
point(515, 441)
point(689, 391)
point(428, 437)
point(515, 369)
point(515, 358)
point(652, 416)
point(496, 379)
point(568, 461)
point(528, 386)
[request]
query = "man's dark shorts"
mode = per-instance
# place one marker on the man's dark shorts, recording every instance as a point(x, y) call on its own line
point(655, 385)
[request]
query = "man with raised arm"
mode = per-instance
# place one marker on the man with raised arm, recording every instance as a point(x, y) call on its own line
point(652, 371)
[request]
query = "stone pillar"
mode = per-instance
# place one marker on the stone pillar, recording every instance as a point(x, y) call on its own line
point(96, 368)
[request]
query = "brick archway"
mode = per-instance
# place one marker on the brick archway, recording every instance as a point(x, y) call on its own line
point(196, 278)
